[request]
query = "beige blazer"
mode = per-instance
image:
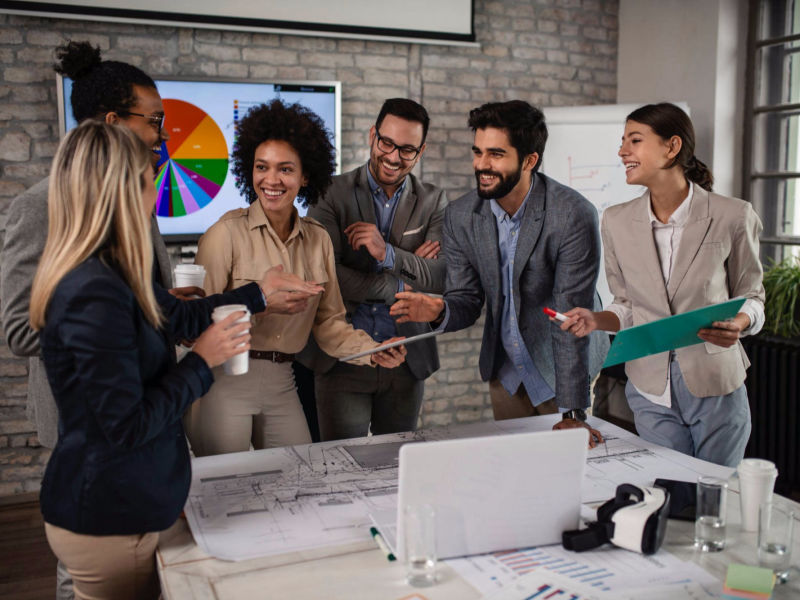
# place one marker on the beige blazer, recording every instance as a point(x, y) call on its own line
point(717, 260)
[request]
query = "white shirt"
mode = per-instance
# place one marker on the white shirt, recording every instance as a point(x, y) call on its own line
point(667, 237)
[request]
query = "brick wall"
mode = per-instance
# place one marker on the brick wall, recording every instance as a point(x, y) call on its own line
point(549, 52)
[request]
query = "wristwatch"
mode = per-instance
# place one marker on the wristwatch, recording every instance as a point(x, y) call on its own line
point(576, 413)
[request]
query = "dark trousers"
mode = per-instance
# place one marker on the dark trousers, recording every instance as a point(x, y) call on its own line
point(352, 400)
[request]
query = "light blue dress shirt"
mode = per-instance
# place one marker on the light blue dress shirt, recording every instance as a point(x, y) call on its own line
point(517, 367)
point(375, 318)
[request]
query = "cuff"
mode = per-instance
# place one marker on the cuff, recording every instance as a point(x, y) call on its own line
point(388, 260)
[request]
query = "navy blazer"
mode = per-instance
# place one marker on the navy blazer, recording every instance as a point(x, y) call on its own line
point(121, 463)
point(556, 265)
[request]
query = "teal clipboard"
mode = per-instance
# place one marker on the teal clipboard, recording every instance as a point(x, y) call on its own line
point(670, 333)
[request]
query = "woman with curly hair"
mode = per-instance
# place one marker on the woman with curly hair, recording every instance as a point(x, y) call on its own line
point(282, 152)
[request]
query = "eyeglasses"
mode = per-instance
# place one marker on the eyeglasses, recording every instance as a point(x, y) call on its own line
point(387, 146)
point(156, 121)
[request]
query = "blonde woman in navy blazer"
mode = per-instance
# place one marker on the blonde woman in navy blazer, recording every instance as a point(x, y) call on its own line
point(119, 472)
point(676, 248)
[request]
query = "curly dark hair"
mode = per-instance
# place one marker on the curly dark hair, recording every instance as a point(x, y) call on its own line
point(299, 127)
point(99, 86)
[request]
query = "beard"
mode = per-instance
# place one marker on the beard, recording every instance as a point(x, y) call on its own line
point(500, 189)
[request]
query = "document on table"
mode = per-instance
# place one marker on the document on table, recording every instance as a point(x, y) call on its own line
point(319, 496)
point(607, 570)
point(670, 333)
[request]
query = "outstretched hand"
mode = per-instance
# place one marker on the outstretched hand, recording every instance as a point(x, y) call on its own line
point(416, 307)
point(295, 291)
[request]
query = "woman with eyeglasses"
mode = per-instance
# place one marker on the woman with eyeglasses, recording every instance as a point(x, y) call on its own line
point(119, 472)
point(281, 153)
point(680, 247)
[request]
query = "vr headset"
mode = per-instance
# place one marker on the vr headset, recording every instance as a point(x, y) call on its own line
point(634, 519)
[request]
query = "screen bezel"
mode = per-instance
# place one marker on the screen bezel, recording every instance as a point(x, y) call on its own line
point(177, 238)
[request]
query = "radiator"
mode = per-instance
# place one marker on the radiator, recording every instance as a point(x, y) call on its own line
point(773, 388)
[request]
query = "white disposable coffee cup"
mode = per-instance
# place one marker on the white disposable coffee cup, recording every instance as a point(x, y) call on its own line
point(189, 275)
point(238, 363)
point(756, 480)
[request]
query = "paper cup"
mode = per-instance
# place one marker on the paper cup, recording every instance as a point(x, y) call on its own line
point(756, 480)
point(186, 275)
point(238, 363)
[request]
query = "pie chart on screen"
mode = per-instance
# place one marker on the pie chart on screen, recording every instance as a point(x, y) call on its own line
point(193, 163)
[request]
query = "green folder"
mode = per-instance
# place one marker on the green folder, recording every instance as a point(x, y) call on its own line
point(670, 333)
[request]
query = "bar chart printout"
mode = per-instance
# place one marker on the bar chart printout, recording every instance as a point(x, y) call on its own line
point(606, 569)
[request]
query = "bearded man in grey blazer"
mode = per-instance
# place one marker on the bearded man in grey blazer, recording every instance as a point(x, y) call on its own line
point(385, 225)
point(521, 242)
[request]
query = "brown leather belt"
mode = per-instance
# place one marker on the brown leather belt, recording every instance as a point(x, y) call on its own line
point(272, 355)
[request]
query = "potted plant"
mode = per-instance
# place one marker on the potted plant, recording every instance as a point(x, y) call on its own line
point(782, 308)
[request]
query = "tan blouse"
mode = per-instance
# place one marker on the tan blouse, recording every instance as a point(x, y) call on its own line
point(242, 245)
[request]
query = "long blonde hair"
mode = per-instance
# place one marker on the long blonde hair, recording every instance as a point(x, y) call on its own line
point(95, 203)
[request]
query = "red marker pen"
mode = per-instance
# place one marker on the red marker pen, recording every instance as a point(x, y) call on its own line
point(556, 315)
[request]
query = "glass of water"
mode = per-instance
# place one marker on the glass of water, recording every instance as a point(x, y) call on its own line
point(712, 503)
point(775, 524)
point(420, 544)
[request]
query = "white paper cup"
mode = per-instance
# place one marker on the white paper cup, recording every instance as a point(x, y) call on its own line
point(756, 480)
point(238, 363)
point(186, 275)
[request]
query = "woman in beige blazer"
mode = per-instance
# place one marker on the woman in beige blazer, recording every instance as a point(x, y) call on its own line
point(281, 152)
point(679, 247)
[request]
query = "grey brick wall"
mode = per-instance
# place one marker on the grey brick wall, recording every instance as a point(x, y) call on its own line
point(549, 52)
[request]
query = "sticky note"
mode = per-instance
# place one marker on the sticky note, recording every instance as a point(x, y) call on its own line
point(750, 579)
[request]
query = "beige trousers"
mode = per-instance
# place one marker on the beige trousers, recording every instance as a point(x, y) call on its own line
point(260, 408)
point(508, 406)
point(113, 567)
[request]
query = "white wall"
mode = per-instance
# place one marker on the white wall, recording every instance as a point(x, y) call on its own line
point(691, 50)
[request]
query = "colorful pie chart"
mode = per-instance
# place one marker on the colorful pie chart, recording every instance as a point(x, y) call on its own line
point(194, 161)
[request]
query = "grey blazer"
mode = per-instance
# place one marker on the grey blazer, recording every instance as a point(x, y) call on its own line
point(556, 265)
point(717, 260)
point(418, 218)
point(26, 234)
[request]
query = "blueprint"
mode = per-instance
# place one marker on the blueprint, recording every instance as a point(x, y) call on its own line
point(297, 498)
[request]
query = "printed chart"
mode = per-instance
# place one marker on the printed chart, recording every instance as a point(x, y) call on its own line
point(194, 160)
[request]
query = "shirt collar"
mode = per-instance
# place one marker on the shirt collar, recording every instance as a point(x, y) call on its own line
point(256, 217)
point(375, 188)
point(500, 213)
point(681, 214)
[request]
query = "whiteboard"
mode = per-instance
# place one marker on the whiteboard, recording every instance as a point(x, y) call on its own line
point(581, 152)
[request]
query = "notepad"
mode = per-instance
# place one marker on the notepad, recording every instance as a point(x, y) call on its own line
point(669, 333)
point(745, 581)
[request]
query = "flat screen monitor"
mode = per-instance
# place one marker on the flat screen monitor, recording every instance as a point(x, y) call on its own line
point(193, 178)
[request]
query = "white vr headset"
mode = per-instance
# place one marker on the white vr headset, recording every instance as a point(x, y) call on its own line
point(635, 519)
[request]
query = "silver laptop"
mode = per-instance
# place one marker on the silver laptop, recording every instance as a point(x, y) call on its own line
point(495, 493)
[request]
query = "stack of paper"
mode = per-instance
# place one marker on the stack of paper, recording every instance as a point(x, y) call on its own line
point(744, 581)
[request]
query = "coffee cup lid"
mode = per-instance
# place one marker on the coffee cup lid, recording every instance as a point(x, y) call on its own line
point(226, 309)
point(756, 465)
point(188, 268)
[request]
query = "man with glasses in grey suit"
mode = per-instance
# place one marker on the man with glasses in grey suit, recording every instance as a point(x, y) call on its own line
point(520, 242)
point(385, 225)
